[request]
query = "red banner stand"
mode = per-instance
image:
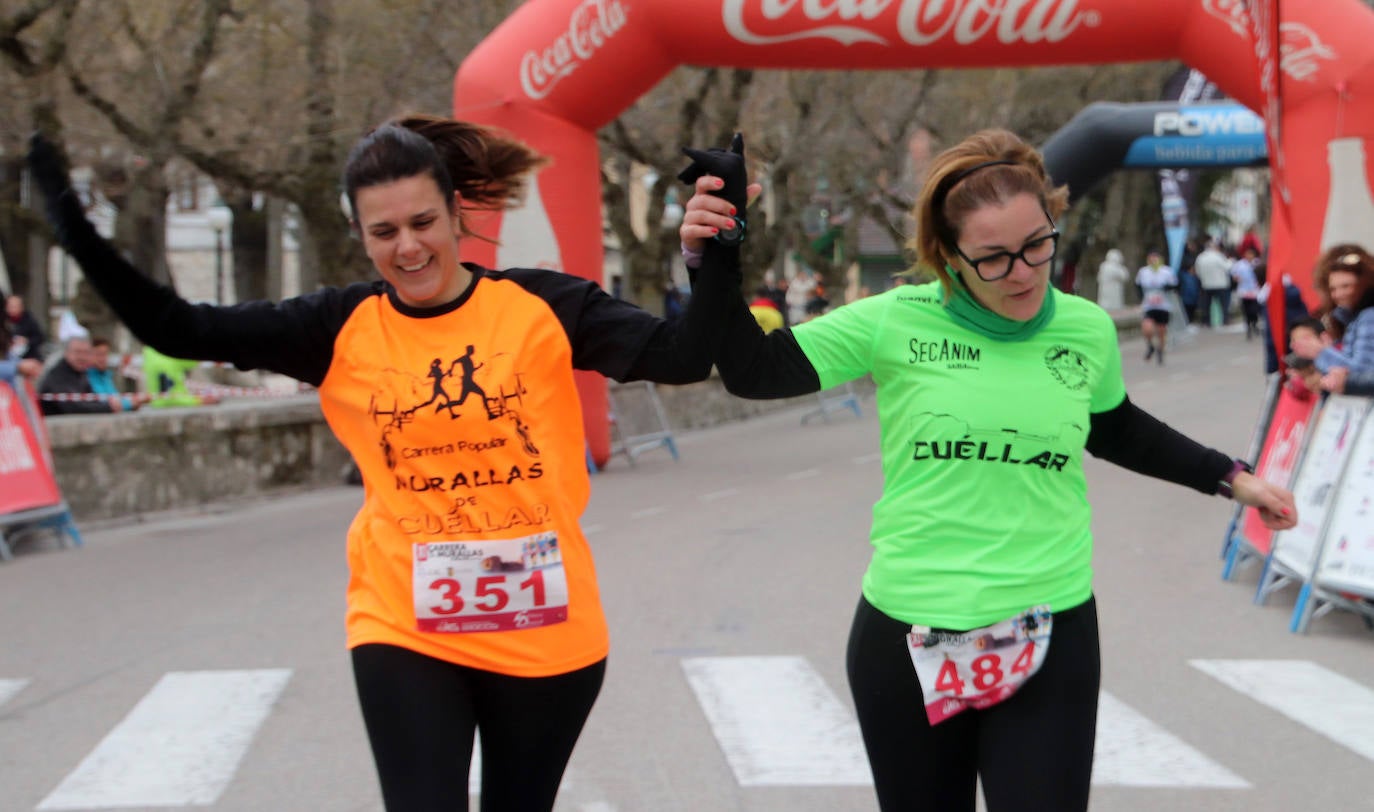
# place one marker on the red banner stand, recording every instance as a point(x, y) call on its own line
point(1284, 439)
point(30, 498)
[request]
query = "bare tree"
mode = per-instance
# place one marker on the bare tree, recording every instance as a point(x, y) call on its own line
point(32, 44)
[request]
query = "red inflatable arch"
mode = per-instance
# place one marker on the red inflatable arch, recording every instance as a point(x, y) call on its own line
point(557, 70)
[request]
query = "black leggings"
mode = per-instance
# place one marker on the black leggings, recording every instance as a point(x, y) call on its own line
point(1033, 751)
point(421, 714)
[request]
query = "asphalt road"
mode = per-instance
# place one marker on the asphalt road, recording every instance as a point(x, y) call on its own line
point(729, 578)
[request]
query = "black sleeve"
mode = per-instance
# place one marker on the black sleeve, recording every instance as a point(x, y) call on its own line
point(294, 337)
point(621, 341)
point(1132, 438)
point(752, 364)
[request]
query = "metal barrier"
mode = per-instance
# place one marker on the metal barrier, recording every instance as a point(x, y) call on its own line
point(1326, 457)
point(639, 423)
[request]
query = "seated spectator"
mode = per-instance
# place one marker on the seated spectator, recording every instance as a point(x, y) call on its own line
point(165, 379)
point(68, 377)
point(25, 333)
point(101, 378)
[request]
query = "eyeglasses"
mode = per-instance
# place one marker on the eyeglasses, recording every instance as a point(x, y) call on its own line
point(1034, 253)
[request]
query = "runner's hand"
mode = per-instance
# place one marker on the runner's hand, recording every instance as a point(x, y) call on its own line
point(62, 204)
point(1275, 504)
point(722, 192)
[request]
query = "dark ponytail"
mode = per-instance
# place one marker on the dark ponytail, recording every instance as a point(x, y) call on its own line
point(488, 170)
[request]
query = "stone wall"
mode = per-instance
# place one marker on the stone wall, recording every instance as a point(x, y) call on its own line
point(118, 466)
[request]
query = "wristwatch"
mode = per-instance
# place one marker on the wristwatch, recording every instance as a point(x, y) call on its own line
point(1224, 487)
point(733, 236)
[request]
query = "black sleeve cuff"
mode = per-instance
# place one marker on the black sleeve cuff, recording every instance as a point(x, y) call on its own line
point(1132, 438)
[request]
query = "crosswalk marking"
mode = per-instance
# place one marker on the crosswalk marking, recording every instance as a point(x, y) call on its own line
point(778, 722)
point(179, 746)
point(1132, 751)
point(775, 719)
point(11, 687)
point(1324, 701)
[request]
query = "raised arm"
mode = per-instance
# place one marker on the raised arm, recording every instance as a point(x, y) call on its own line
point(751, 364)
point(294, 337)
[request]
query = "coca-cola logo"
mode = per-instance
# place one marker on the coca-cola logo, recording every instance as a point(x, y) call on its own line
point(1231, 12)
point(918, 22)
point(591, 26)
point(1299, 50)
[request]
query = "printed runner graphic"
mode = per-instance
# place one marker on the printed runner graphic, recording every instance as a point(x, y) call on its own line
point(405, 397)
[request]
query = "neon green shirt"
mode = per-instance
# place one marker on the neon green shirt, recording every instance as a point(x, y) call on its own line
point(984, 509)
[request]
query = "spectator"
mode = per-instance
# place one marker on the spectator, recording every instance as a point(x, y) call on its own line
point(1189, 292)
point(101, 378)
point(1295, 310)
point(1346, 274)
point(25, 333)
point(817, 303)
point(778, 295)
point(68, 377)
point(1111, 281)
point(1247, 288)
point(165, 379)
point(798, 295)
point(1214, 274)
point(765, 312)
point(1303, 377)
point(12, 361)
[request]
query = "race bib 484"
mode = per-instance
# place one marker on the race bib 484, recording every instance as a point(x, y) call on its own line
point(980, 667)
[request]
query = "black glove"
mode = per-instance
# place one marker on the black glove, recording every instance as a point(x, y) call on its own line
point(728, 165)
point(61, 203)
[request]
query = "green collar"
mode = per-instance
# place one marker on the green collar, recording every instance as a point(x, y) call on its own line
point(968, 313)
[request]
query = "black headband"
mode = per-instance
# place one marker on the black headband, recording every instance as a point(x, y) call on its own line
point(954, 179)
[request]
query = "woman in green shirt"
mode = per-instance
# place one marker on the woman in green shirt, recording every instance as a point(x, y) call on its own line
point(974, 649)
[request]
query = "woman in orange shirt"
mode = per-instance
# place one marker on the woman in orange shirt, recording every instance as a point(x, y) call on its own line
point(472, 598)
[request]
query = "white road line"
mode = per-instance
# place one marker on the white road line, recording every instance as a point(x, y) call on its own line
point(805, 474)
point(867, 458)
point(648, 511)
point(720, 494)
point(9, 688)
point(592, 528)
point(1180, 376)
point(1132, 751)
point(179, 746)
point(1336, 707)
point(778, 723)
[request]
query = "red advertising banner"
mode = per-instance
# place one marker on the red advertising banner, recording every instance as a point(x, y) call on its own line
point(26, 476)
point(1279, 458)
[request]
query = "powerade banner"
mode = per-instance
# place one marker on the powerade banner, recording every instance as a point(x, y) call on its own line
point(1107, 136)
point(1211, 135)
